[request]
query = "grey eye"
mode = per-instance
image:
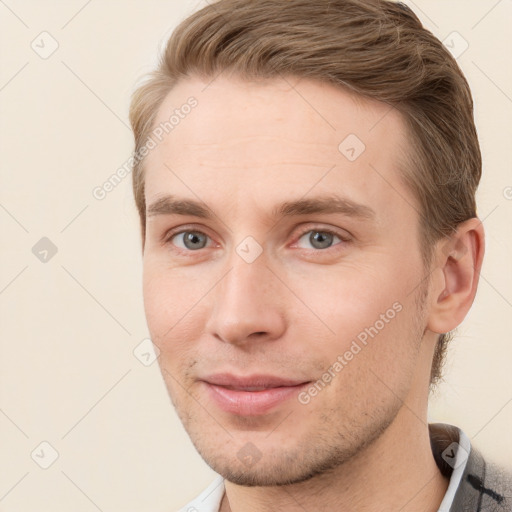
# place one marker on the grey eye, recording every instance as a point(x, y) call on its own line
point(319, 239)
point(191, 240)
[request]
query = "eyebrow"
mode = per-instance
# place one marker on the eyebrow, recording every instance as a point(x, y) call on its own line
point(171, 205)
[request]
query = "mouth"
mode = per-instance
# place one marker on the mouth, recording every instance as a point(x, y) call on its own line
point(253, 395)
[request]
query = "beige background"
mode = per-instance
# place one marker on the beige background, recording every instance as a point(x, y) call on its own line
point(69, 326)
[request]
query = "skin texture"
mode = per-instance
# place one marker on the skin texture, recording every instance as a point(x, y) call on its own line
point(362, 442)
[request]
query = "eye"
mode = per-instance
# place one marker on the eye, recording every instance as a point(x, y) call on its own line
point(320, 238)
point(189, 240)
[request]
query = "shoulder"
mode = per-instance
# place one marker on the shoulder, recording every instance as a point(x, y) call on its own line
point(485, 485)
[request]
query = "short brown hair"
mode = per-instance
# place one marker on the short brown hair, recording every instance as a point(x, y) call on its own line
point(375, 48)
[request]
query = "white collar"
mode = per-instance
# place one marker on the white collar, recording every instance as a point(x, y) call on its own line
point(209, 500)
point(461, 458)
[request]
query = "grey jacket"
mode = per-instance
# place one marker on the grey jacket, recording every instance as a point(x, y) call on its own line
point(485, 487)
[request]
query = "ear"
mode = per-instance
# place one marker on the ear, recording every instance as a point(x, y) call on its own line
point(454, 283)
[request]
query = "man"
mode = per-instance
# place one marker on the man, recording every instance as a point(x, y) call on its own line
point(305, 174)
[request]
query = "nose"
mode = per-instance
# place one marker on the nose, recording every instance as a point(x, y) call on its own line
point(248, 304)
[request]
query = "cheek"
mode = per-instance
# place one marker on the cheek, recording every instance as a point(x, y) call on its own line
point(368, 317)
point(367, 370)
point(348, 299)
point(158, 303)
point(169, 299)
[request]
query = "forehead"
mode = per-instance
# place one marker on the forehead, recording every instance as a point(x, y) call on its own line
point(308, 109)
point(276, 138)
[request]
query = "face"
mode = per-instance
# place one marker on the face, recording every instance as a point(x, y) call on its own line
point(282, 274)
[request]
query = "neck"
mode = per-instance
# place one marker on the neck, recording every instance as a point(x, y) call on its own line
point(396, 472)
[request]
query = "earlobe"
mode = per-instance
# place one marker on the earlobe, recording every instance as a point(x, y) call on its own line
point(460, 260)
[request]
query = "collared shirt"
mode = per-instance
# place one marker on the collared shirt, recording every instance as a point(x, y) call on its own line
point(472, 483)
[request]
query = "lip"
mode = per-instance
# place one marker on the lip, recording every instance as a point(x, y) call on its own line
point(251, 395)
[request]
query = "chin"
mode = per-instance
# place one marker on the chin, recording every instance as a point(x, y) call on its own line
point(279, 469)
point(266, 464)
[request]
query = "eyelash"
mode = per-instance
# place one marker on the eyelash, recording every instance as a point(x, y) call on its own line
point(344, 239)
